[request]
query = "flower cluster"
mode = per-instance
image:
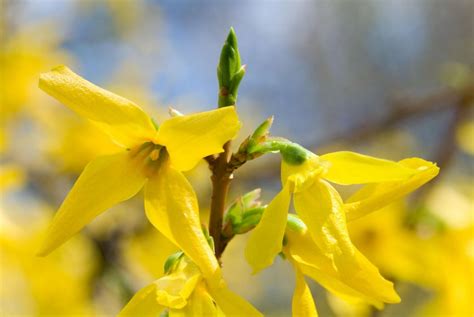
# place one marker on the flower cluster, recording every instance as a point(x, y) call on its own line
point(315, 241)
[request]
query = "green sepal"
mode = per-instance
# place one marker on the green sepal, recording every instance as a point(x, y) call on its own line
point(260, 134)
point(172, 262)
point(155, 124)
point(294, 154)
point(294, 223)
point(209, 238)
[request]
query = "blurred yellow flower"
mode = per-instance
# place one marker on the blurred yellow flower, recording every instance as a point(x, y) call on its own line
point(32, 286)
point(154, 159)
point(440, 263)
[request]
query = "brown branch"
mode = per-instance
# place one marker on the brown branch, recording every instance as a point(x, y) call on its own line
point(448, 145)
point(221, 178)
point(404, 109)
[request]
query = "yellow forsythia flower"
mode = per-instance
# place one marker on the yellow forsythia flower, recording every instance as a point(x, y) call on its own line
point(185, 292)
point(152, 158)
point(320, 207)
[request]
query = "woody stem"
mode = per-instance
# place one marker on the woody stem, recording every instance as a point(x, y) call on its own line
point(221, 177)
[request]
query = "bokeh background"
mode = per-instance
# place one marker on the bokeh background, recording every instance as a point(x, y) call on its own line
point(387, 78)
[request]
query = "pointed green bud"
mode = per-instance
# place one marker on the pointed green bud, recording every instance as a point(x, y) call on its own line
point(250, 219)
point(229, 71)
point(260, 134)
point(172, 262)
point(242, 204)
point(232, 41)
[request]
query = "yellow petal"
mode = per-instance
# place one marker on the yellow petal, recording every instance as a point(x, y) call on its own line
point(120, 118)
point(173, 290)
point(352, 168)
point(265, 241)
point(143, 303)
point(230, 303)
point(321, 209)
point(171, 206)
point(192, 137)
point(200, 303)
point(302, 304)
point(375, 196)
point(104, 182)
point(304, 253)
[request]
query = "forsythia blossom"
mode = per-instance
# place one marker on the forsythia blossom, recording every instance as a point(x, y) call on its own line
point(153, 158)
point(185, 292)
point(325, 251)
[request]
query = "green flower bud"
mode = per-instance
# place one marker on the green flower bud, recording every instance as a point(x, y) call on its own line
point(229, 71)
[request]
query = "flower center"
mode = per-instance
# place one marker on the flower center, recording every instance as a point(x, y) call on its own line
point(148, 157)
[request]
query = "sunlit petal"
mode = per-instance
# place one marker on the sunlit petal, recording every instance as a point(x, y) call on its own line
point(302, 304)
point(120, 118)
point(352, 168)
point(321, 209)
point(143, 303)
point(375, 196)
point(192, 137)
point(171, 206)
point(104, 182)
point(265, 241)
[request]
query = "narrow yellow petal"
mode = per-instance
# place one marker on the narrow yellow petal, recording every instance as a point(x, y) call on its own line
point(302, 304)
point(352, 168)
point(302, 251)
point(375, 196)
point(143, 303)
point(120, 118)
point(105, 182)
point(265, 241)
point(171, 206)
point(192, 137)
point(321, 209)
point(230, 303)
